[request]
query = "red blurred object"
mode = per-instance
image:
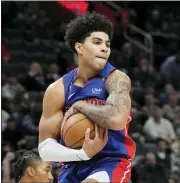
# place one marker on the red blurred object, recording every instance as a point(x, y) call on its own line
point(100, 8)
point(125, 17)
point(76, 7)
point(5, 53)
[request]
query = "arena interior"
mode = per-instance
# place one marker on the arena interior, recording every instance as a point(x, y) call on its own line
point(145, 45)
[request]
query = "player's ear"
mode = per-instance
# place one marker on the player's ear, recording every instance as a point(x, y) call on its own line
point(78, 47)
point(30, 171)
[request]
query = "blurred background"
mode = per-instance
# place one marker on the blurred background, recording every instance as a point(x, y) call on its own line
point(146, 46)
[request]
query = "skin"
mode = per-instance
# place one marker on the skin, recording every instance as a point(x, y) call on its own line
point(92, 56)
point(39, 173)
point(90, 181)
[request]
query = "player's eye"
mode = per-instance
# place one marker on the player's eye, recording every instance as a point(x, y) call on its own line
point(97, 42)
point(108, 45)
point(47, 169)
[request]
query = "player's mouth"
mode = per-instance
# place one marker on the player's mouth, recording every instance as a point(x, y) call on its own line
point(102, 57)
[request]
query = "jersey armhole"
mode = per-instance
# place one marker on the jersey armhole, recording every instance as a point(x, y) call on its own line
point(65, 93)
point(110, 73)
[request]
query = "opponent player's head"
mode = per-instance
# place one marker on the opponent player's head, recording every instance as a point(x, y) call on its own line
point(29, 167)
point(89, 36)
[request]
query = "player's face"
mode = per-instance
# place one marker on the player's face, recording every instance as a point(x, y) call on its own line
point(96, 50)
point(43, 173)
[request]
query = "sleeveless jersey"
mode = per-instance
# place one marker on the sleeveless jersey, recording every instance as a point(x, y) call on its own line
point(119, 143)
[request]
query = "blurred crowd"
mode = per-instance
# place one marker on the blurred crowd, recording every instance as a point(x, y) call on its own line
point(34, 55)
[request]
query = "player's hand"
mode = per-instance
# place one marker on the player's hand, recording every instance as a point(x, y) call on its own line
point(93, 146)
point(67, 115)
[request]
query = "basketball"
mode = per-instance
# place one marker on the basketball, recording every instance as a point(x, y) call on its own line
point(74, 130)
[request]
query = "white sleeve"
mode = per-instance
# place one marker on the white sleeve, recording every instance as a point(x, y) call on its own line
point(51, 150)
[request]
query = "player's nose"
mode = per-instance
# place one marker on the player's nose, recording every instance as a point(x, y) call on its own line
point(104, 49)
point(51, 178)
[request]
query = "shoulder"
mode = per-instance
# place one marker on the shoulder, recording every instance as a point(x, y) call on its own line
point(54, 98)
point(55, 90)
point(55, 85)
point(118, 80)
point(119, 74)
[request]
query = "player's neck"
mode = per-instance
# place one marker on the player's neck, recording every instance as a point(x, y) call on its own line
point(84, 74)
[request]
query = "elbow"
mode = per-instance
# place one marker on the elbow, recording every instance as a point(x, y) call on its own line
point(44, 154)
point(41, 152)
point(43, 149)
point(48, 149)
point(118, 123)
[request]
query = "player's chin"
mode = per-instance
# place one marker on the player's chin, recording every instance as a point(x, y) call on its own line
point(48, 181)
point(100, 63)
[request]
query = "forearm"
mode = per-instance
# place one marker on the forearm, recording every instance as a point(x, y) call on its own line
point(51, 150)
point(113, 115)
point(101, 115)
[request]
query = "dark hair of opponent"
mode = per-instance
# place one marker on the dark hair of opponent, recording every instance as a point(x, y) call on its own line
point(23, 160)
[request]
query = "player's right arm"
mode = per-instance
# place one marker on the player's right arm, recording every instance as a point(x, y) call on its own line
point(52, 114)
point(49, 130)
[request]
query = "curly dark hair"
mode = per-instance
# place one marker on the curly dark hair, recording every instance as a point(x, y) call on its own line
point(82, 26)
point(23, 160)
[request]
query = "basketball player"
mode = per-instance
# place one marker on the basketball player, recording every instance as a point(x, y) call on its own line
point(100, 92)
point(29, 168)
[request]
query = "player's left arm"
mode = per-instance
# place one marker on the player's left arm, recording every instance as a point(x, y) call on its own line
point(114, 114)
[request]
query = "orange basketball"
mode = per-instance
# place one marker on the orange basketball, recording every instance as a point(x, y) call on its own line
point(74, 130)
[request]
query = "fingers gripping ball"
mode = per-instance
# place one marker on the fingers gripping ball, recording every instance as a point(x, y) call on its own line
point(74, 130)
